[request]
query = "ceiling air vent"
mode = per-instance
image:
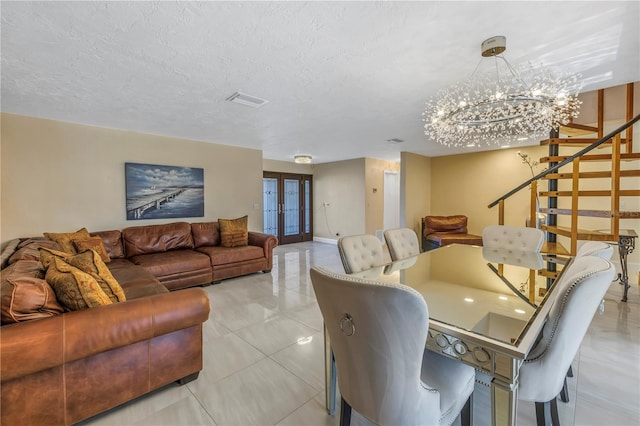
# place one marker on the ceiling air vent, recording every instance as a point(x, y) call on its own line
point(395, 140)
point(248, 100)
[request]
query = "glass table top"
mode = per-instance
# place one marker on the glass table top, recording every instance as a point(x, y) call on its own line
point(477, 289)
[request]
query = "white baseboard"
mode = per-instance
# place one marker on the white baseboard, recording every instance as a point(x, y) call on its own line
point(325, 240)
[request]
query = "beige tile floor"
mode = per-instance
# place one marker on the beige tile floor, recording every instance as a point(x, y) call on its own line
point(263, 359)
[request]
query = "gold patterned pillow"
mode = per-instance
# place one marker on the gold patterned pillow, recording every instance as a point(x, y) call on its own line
point(64, 239)
point(92, 243)
point(90, 262)
point(47, 255)
point(75, 290)
point(234, 232)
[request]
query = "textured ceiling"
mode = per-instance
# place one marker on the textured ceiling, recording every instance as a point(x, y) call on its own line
point(341, 77)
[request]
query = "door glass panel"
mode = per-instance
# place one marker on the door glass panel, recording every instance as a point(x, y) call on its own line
point(307, 207)
point(270, 203)
point(291, 207)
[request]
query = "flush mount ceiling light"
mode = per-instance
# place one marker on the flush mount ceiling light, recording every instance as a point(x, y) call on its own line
point(302, 159)
point(498, 107)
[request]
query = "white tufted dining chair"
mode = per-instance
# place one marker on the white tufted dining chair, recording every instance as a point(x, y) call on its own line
point(378, 333)
point(542, 375)
point(513, 237)
point(360, 252)
point(402, 243)
point(596, 248)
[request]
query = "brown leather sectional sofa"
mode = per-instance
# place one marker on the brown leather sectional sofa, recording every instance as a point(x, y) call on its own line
point(66, 367)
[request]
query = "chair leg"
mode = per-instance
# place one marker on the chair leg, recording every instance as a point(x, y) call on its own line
point(554, 412)
point(547, 413)
point(564, 393)
point(345, 413)
point(466, 415)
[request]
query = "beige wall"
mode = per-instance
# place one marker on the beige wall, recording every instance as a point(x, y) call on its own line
point(286, 167)
point(339, 198)
point(415, 189)
point(467, 183)
point(58, 177)
point(374, 192)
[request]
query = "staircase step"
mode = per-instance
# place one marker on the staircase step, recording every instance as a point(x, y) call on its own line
point(577, 142)
point(554, 248)
point(591, 213)
point(594, 193)
point(595, 157)
point(548, 274)
point(591, 175)
point(583, 234)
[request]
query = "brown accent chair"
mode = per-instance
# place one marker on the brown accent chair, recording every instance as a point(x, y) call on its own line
point(440, 231)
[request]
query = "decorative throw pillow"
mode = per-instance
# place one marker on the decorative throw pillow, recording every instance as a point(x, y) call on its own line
point(75, 290)
point(47, 255)
point(234, 232)
point(64, 239)
point(92, 243)
point(26, 298)
point(90, 262)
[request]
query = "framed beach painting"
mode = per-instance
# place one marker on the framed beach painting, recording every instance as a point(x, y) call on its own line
point(161, 192)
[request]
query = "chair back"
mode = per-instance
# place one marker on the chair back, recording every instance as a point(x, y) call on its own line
point(402, 243)
point(378, 333)
point(579, 292)
point(525, 259)
point(513, 237)
point(596, 248)
point(360, 252)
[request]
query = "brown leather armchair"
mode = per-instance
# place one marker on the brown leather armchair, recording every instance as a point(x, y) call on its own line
point(440, 231)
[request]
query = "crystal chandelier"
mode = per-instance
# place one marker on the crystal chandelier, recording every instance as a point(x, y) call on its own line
point(491, 109)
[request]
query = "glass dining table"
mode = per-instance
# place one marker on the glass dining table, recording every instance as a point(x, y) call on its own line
point(481, 312)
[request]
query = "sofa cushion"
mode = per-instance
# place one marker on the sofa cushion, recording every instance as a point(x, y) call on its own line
point(64, 239)
point(75, 289)
point(24, 298)
point(157, 238)
point(173, 262)
point(443, 239)
point(30, 249)
point(224, 255)
point(234, 232)
point(92, 243)
point(127, 273)
point(112, 241)
point(205, 234)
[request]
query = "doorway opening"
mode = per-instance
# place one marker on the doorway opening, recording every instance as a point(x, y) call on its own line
point(288, 206)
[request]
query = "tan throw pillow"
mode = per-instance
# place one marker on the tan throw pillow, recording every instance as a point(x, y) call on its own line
point(64, 239)
point(234, 232)
point(27, 298)
point(92, 243)
point(90, 262)
point(75, 290)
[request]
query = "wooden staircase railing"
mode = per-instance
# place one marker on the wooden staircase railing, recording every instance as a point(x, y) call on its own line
point(577, 176)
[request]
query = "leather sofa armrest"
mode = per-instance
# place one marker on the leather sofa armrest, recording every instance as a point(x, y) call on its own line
point(267, 242)
point(37, 345)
